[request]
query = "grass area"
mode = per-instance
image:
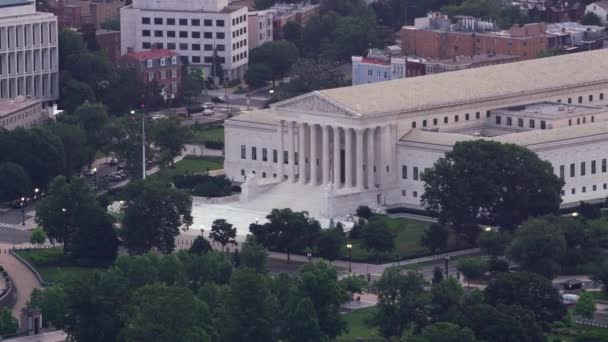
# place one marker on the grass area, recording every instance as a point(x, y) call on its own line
point(207, 134)
point(599, 295)
point(570, 334)
point(56, 267)
point(407, 242)
point(191, 165)
point(358, 326)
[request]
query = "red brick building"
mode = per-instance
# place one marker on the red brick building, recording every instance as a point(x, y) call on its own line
point(525, 41)
point(157, 65)
point(109, 42)
point(298, 13)
point(77, 13)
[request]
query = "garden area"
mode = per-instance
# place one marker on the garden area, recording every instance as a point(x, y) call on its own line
point(56, 267)
point(211, 136)
point(190, 165)
point(408, 234)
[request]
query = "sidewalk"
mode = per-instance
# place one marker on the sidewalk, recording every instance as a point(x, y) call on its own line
point(23, 279)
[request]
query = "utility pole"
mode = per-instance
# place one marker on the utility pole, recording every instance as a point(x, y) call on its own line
point(143, 142)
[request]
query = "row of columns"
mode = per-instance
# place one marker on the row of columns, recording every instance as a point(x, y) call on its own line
point(368, 154)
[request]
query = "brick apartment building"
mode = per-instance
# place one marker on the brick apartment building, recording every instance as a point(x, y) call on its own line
point(77, 13)
point(285, 13)
point(435, 37)
point(157, 65)
point(109, 42)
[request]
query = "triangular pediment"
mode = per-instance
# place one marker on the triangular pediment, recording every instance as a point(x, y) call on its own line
point(314, 103)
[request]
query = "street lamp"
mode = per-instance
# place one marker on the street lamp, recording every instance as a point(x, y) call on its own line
point(575, 214)
point(95, 175)
point(447, 264)
point(271, 92)
point(36, 190)
point(309, 255)
point(23, 211)
point(488, 229)
point(349, 247)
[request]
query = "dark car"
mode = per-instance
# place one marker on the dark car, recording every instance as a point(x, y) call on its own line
point(218, 99)
point(194, 109)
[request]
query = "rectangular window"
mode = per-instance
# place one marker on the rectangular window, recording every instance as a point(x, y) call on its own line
point(561, 171)
point(208, 22)
point(584, 189)
point(572, 171)
point(158, 21)
point(415, 173)
point(466, 117)
point(208, 60)
point(569, 100)
point(195, 22)
point(423, 123)
point(601, 96)
point(593, 167)
point(583, 168)
point(196, 34)
point(509, 121)
point(573, 191)
point(183, 34)
point(584, 119)
point(590, 98)
point(435, 122)
point(569, 122)
point(275, 156)
point(285, 157)
point(415, 194)
point(403, 193)
point(145, 33)
point(145, 21)
point(264, 154)
point(220, 47)
point(488, 113)
point(580, 99)
point(196, 59)
point(604, 165)
point(208, 47)
point(476, 115)
point(219, 23)
point(543, 124)
point(145, 45)
point(254, 153)
point(183, 22)
point(170, 21)
point(196, 47)
point(403, 171)
point(158, 33)
point(171, 46)
point(445, 119)
point(220, 35)
point(413, 124)
point(183, 47)
point(208, 35)
point(531, 123)
point(455, 118)
point(498, 119)
point(171, 34)
point(243, 152)
point(594, 187)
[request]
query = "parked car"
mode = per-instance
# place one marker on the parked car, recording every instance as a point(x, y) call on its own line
point(218, 99)
point(208, 112)
point(194, 109)
point(88, 173)
point(208, 105)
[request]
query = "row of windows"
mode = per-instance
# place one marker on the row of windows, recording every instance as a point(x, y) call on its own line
point(582, 169)
point(275, 155)
point(404, 193)
point(239, 56)
point(27, 35)
point(27, 61)
point(580, 98)
point(182, 22)
point(415, 172)
point(520, 122)
point(264, 174)
point(182, 34)
point(239, 19)
point(161, 61)
point(446, 119)
point(239, 32)
point(16, 118)
point(162, 74)
point(584, 189)
point(239, 45)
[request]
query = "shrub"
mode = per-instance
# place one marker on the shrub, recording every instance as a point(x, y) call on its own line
point(364, 212)
point(44, 257)
point(207, 189)
point(214, 145)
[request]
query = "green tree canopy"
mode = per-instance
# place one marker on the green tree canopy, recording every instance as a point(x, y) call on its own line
point(253, 255)
point(377, 237)
point(38, 236)
point(258, 75)
point(14, 182)
point(223, 233)
point(435, 237)
point(52, 301)
point(445, 332)
point(95, 239)
point(170, 137)
point(302, 324)
point(502, 184)
point(591, 18)
point(585, 306)
point(278, 55)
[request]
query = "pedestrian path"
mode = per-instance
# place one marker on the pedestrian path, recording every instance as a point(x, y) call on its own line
point(24, 280)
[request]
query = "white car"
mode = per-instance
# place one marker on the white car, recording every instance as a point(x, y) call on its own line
point(208, 105)
point(208, 112)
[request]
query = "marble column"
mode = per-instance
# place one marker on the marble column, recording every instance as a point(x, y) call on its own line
point(325, 171)
point(337, 179)
point(359, 158)
point(371, 182)
point(302, 152)
point(291, 154)
point(313, 154)
point(348, 164)
point(280, 150)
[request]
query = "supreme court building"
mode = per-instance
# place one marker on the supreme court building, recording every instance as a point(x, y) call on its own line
point(330, 151)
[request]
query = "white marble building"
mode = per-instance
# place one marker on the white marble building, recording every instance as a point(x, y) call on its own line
point(369, 144)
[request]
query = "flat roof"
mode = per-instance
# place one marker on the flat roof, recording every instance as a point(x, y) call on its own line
point(263, 116)
point(457, 87)
point(549, 110)
point(10, 3)
point(466, 60)
point(8, 107)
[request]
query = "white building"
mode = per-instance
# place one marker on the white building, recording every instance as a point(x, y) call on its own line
point(600, 8)
point(29, 63)
point(330, 151)
point(377, 66)
point(192, 28)
point(260, 28)
point(22, 112)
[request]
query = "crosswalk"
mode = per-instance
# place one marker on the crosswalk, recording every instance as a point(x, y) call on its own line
point(6, 225)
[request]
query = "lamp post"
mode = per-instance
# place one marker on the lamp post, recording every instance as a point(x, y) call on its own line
point(95, 177)
point(309, 255)
point(575, 214)
point(447, 264)
point(349, 247)
point(143, 141)
point(36, 191)
point(23, 211)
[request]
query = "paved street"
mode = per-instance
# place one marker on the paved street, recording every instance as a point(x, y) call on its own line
point(55, 336)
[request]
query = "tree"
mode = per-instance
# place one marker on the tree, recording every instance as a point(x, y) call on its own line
point(591, 18)
point(75, 93)
point(472, 268)
point(445, 332)
point(257, 75)
point(159, 312)
point(252, 308)
point(585, 306)
point(170, 137)
point(511, 15)
point(601, 275)
point(402, 302)
point(92, 118)
point(253, 255)
point(319, 282)
point(377, 237)
point(503, 323)
point(154, 215)
point(292, 32)
point(52, 301)
point(493, 243)
point(200, 246)
point(307, 75)
point(528, 290)
point(88, 35)
point(302, 324)
point(59, 212)
point(14, 182)
point(223, 233)
point(263, 4)
point(278, 55)
point(364, 212)
point(435, 237)
point(95, 239)
point(538, 246)
point(287, 231)
point(330, 243)
point(447, 298)
point(74, 146)
point(502, 184)
point(38, 237)
point(8, 324)
point(589, 211)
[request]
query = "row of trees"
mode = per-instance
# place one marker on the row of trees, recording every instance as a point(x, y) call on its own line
point(190, 297)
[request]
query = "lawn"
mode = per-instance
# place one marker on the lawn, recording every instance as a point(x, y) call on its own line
point(207, 134)
point(599, 295)
point(54, 266)
point(407, 242)
point(191, 165)
point(357, 325)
